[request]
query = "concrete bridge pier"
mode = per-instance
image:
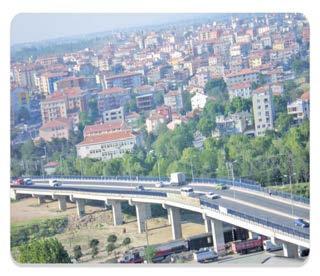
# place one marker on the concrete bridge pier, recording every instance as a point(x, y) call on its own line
point(40, 200)
point(116, 211)
point(207, 223)
point(80, 207)
point(217, 236)
point(143, 212)
point(62, 203)
point(175, 219)
point(290, 250)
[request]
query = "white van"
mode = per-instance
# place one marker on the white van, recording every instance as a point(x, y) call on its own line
point(187, 191)
point(269, 246)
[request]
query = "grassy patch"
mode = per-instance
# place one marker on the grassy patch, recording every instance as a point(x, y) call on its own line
point(35, 229)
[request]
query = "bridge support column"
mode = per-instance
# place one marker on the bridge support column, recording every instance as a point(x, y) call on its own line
point(62, 203)
point(207, 223)
point(116, 211)
point(142, 212)
point(217, 235)
point(80, 207)
point(290, 250)
point(40, 200)
point(175, 219)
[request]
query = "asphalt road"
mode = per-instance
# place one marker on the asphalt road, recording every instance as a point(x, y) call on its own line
point(263, 202)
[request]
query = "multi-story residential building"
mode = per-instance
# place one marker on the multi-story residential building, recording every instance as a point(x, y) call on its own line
point(231, 124)
point(242, 90)
point(174, 99)
point(300, 108)
point(162, 115)
point(112, 98)
point(46, 81)
point(244, 75)
point(23, 74)
point(263, 110)
point(60, 104)
point(145, 101)
point(113, 114)
point(108, 145)
point(58, 128)
point(125, 80)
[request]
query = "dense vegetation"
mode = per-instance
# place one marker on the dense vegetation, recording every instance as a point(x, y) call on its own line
point(43, 251)
point(22, 233)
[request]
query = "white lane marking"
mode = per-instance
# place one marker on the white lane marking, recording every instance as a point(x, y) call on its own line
point(274, 198)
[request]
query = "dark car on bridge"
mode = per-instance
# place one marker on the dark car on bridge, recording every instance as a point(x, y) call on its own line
point(301, 223)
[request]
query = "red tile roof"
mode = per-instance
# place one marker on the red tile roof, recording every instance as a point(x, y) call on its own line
point(107, 137)
point(240, 85)
point(106, 127)
point(305, 96)
point(56, 123)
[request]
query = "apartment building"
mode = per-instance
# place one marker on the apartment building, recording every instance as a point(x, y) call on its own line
point(263, 110)
point(300, 108)
point(113, 115)
point(162, 115)
point(174, 99)
point(60, 104)
point(112, 98)
point(99, 129)
point(126, 80)
point(244, 75)
point(58, 128)
point(242, 90)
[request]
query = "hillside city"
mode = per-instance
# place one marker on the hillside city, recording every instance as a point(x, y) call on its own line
point(226, 98)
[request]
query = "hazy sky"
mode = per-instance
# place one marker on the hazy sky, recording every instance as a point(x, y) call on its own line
point(29, 27)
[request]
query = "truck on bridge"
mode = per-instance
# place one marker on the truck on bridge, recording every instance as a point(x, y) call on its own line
point(177, 178)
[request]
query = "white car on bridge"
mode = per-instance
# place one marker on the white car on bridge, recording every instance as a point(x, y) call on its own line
point(54, 183)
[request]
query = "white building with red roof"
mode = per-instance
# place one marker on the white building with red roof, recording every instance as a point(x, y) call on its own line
point(58, 128)
point(108, 145)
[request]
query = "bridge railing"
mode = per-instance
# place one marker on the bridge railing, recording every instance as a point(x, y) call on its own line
point(251, 185)
point(250, 218)
point(109, 191)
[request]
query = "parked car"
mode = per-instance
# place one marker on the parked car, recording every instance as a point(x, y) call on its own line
point(212, 195)
point(221, 187)
point(54, 183)
point(205, 254)
point(159, 184)
point(27, 181)
point(301, 223)
point(269, 246)
point(188, 191)
point(140, 188)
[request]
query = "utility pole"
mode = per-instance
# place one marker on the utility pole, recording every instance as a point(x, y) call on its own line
point(158, 170)
point(146, 228)
point(192, 169)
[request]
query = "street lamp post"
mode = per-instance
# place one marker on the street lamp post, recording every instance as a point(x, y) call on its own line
point(230, 166)
point(158, 170)
point(192, 170)
point(291, 195)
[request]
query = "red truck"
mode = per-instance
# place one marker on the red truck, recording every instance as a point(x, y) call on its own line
point(244, 247)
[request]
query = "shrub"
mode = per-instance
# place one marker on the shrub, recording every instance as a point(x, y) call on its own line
point(110, 247)
point(93, 243)
point(126, 241)
point(112, 238)
point(77, 252)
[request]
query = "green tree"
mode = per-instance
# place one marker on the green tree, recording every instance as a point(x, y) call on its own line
point(283, 122)
point(77, 252)
point(126, 241)
point(43, 251)
point(93, 243)
point(94, 251)
point(217, 88)
point(110, 247)
point(149, 253)
point(112, 238)
point(205, 126)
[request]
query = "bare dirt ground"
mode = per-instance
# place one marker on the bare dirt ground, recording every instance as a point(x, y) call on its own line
point(97, 223)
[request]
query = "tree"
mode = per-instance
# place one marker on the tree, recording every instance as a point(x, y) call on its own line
point(43, 251)
point(93, 243)
point(110, 247)
point(205, 126)
point(126, 241)
point(23, 115)
point(112, 238)
point(186, 99)
point(149, 253)
point(77, 252)
point(283, 122)
point(93, 112)
point(217, 88)
point(94, 251)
